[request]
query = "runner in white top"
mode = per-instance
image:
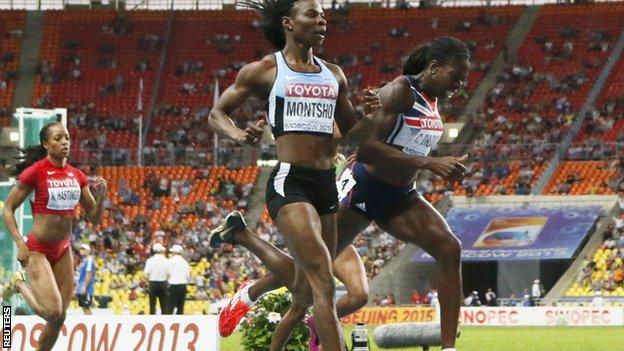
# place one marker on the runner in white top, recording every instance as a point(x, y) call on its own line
point(303, 104)
point(379, 185)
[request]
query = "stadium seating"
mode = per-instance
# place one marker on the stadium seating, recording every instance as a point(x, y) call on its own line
point(11, 26)
point(93, 43)
point(488, 29)
point(603, 271)
point(201, 189)
point(610, 111)
point(195, 39)
point(552, 23)
point(204, 188)
point(537, 95)
point(205, 45)
point(589, 177)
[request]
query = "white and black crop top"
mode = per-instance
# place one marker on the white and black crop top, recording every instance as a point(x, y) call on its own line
point(302, 102)
point(420, 128)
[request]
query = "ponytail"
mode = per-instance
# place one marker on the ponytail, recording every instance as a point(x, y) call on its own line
point(417, 60)
point(32, 154)
point(29, 156)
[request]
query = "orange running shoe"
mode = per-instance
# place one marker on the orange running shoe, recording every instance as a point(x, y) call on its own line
point(234, 311)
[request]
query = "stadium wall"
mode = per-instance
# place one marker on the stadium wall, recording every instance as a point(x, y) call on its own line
point(221, 4)
point(494, 316)
point(122, 333)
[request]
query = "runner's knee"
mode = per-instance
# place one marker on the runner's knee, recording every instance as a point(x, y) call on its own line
point(359, 299)
point(52, 314)
point(450, 249)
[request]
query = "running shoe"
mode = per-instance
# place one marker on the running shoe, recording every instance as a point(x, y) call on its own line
point(314, 344)
point(10, 289)
point(225, 232)
point(234, 311)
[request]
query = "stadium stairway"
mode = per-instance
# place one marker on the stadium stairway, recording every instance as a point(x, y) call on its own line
point(594, 241)
point(158, 77)
point(29, 55)
point(578, 122)
point(401, 276)
point(515, 38)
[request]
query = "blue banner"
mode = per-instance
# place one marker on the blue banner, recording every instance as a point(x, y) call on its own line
point(519, 233)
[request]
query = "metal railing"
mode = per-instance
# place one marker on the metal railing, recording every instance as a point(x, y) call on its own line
point(228, 153)
point(220, 4)
point(160, 156)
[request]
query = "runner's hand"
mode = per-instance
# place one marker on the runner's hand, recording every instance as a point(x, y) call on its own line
point(372, 102)
point(23, 253)
point(252, 134)
point(99, 185)
point(449, 167)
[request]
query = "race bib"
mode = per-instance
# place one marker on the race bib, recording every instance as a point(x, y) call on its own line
point(63, 195)
point(422, 142)
point(309, 107)
point(345, 184)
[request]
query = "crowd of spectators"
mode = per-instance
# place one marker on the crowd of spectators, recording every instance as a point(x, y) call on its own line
point(123, 246)
point(603, 271)
point(511, 127)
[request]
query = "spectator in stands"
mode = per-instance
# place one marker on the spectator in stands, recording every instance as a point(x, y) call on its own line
point(402, 5)
point(434, 22)
point(512, 301)
point(390, 301)
point(344, 8)
point(121, 24)
point(598, 300)
point(490, 298)
point(472, 300)
point(536, 289)
point(523, 187)
point(416, 297)
point(464, 26)
point(150, 42)
point(142, 66)
point(398, 32)
point(527, 301)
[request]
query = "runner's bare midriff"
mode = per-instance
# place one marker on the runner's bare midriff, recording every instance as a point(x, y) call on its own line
point(48, 227)
point(313, 151)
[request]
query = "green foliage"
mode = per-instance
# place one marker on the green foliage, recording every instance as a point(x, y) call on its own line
point(260, 323)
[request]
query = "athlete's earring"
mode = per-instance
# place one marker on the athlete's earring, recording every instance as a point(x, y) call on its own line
point(433, 72)
point(289, 28)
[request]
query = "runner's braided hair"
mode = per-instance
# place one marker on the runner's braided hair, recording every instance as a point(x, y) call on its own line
point(440, 50)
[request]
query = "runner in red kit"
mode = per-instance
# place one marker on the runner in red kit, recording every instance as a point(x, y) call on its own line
point(45, 252)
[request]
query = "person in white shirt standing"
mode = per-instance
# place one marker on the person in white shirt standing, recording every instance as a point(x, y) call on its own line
point(156, 272)
point(536, 290)
point(179, 273)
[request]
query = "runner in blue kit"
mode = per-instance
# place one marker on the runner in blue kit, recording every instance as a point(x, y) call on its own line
point(305, 96)
point(379, 185)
